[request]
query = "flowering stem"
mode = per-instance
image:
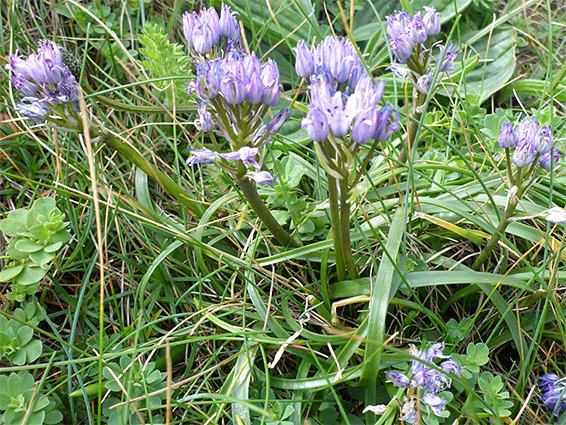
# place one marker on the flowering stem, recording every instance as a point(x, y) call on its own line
point(345, 241)
point(335, 226)
point(251, 195)
point(173, 188)
point(503, 223)
point(413, 127)
point(509, 170)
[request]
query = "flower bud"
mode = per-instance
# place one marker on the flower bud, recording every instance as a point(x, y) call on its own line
point(401, 48)
point(201, 156)
point(418, 30)
point(254, 90)
point(210, 17)
point(232, 90)
point(278, 120)
point(202, 38)
point(544, 140)
point(448, 57)
point(316, 125)
point(228, 24)
point(251, 65)
point(507, 136)
point(271, 86)
point(304, 64)
point(386, 126)
point(262, 177)
point(431, 19)
point(524, 154)
point(547, 160)
point(205, 121)
point(397, 24)
point(36, 111)
point(189, 23)
point(425, 82)
point(364, 127)
point(528, 129)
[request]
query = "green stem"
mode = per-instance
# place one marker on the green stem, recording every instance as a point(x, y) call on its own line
point(253, 198)
point(335, 226)
point(413, 127)
point(173, 188)
point(345, 230)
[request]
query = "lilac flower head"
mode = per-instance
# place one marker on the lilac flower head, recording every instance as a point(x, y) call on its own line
point(44, 80)
point(507, 136)
point(304, 64)
point(553, 389)
point(278, 120)
point(401, 47)
point(262, 177)
point(430, 380)
point(554, 215)
point(316, 125)
point(431, 19)
point(549, 158)
point(524, 154)
point(544, 140)
point(228, 24)
point(450, 54)
point(336, 58)
point(528, 129)
point(417, 30)
point(205, 121)
point(201, 156)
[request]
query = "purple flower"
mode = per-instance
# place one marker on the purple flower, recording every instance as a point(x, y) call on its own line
point(278, 120)
point(544, 140)
point(401, 47)
point(431, 19)
point(304, 64)
point(203, 38)
point(417, 30)
point(205, 121)
point(232, 90)
point(36, 111)
point(262, 177)
point(555, 215)
point(337, 60)
point(228, 24)
point(364, 126)
point(528, 129)
point(271, 85)
point(507, 136)
point(399, 70)
point(546, 160)
point(244, 154)
point(201, 156)
point(553, 389)
point(425, 82)
point(436, 403)
point(524, 154)
point(386, 125)
point(398, 379)
point(316, 125)
point(397, 24)
point(447, 55)
point(254, 90)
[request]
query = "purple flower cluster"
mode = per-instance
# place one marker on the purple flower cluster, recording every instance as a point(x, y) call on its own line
point(407, 38)
point(343, 96)
point(204, 30)
point(406, 33)
point(238, 78)
point(235, 91)
point(44, 81)
point(531, 143)
point(430, 381)
point(335, 58)
point(553, 390)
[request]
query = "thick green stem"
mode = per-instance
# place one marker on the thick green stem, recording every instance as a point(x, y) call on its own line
point(345, 230)
point(335, 226)
point(251, 195)
point(413, 127)
point(173, 188)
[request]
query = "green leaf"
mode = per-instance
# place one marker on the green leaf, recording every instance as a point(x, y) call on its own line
point(41, 257)
point(10, 273)
point(30, 275)
point(53, 247)
point(497, 54)
point(12, 227)
point(379, 302)
point(27, 246)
